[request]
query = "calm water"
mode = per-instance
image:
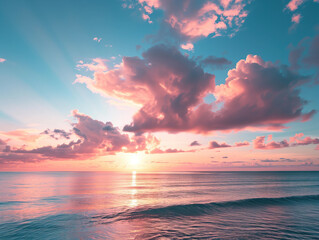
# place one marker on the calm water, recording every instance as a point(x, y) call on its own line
point(206, 205)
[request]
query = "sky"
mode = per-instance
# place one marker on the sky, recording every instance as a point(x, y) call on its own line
point(159, 85)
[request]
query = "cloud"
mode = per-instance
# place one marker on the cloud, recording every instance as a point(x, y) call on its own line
point(194, 143)
point(195, 19)
point(25, 135)
point(296, 18)
point(215, 62)
point(294, 4)
point(94, 138)
point(260, 143)
point(97, 39)
point(57, 133)
point(170, 87)
point(296, 140)
point(306, 55)
point(97, 65)
point(187, 46)
point(281, 160)
point(169, 150)
point(311, 59)
point(214, 144)
point(2, 60)
point(242, 144)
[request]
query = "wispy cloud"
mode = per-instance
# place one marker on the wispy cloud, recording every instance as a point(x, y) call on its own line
point(97, 39)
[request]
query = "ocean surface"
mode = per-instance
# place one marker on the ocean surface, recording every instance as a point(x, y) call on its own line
point(184, 205)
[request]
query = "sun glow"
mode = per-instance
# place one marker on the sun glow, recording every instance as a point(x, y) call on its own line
point(134, 160)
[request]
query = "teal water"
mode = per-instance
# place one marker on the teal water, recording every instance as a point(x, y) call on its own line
point(188, 205)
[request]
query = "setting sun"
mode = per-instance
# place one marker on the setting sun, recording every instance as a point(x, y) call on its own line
point(134, 160)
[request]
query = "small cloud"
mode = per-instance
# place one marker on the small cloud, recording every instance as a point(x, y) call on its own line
point(146, 18)
point(215, 62)
point(187, 46)
point(214, 144)
point(241, 144)
point(296, 18)
point(194, 143)
point(225, 157)
point(97, 65)
point(2, 60)
point(97, 39)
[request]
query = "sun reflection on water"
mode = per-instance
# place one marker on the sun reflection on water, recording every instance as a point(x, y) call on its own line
point(133, 201)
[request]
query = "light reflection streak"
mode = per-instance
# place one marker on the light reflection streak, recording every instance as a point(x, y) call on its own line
point(133, 202)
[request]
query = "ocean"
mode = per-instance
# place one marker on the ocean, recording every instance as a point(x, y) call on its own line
point(179, 205)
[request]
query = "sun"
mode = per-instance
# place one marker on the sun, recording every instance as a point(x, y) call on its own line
point(134, 160)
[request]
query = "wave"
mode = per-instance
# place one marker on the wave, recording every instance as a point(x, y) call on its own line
point(12, 202)
point(204, 208)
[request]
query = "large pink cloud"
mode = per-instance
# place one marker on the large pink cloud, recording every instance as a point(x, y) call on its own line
point(93, 138)
point(195, 19)
point(170, 87)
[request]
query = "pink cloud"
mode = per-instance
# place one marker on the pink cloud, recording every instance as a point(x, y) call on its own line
point(296, 18)
point(294, 4)
point(146, 17)
point(171, 89)
point(2, 142)
point(187, 46)
point(198, 18)
point(296, 140)
point(97, 39)
point(2, 60)
point(169, 150)
point(26, 135)
point(214, 144)
point(259, 142)
point(93, 138)
point(242, 144)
